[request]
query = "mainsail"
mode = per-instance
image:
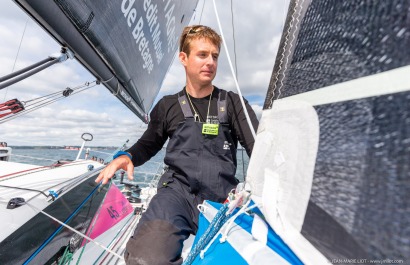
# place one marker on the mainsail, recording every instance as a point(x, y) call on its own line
point(128, 45)
point(350, 61)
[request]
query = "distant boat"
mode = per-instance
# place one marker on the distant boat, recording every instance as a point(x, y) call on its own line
point(71, 148)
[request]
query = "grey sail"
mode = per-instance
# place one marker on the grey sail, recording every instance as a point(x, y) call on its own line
point(347, 58)
point(128, 45)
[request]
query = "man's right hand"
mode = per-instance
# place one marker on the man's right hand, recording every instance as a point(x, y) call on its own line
point(122, 162)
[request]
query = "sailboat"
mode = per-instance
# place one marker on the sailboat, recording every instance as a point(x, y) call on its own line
point(328, 181)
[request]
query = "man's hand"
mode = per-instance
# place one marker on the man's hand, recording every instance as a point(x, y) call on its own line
point(122, 162)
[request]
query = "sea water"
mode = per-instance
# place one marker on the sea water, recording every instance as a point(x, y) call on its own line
point(144, 173)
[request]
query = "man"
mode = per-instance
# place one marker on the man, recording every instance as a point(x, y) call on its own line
point(203, 124)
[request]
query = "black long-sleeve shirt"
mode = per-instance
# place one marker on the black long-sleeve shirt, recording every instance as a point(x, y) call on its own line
point(167, 114)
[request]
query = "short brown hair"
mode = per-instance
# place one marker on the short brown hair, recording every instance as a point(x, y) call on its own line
point(193, 32)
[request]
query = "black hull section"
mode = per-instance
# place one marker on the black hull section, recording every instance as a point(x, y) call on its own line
point(21, 246)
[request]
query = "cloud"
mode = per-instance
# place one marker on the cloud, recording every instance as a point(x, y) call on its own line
point(64, 127)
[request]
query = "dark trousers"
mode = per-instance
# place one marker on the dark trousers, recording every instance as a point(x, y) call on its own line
point(169, 220)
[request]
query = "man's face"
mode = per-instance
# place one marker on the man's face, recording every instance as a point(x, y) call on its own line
point(202, 62)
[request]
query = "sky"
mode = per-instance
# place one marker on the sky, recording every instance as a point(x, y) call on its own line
point(257, 28)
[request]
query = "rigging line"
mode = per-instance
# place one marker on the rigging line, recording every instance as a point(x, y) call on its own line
point(108, 80)
point(105, 153)
point(33, 108)
point(36, 102)
point(63, 224)
point(125, 236)
point(18, 52)
point(118, 88)
point(114, 242)
point(200, 17)
point(44, 168)
point(68, 183)
point(94, 221)
point(236, 74)
point(130, 229)
point(19, 188)
point(86, 84)
point(234, 42)
point(55, 97)
point(34, 99)
point(233, 73)
point(61, 95)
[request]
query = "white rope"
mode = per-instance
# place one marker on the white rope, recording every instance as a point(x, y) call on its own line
point(125, 236)
point(108, 80)
point(118, 89)
point(105, 153)
point(17, 55)
point(233, 74)
point(227, 227)
point(77, 232)
point(47, 100)
point(229, 223)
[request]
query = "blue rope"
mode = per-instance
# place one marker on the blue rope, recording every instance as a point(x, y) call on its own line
point(213, 228)
point(61, 226)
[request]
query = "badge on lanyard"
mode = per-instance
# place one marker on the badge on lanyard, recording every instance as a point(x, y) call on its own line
point(210, 129)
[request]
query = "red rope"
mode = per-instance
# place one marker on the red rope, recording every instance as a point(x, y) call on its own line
point(13, 105)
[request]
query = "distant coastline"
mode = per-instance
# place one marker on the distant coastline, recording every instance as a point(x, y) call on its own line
point(62, 147)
